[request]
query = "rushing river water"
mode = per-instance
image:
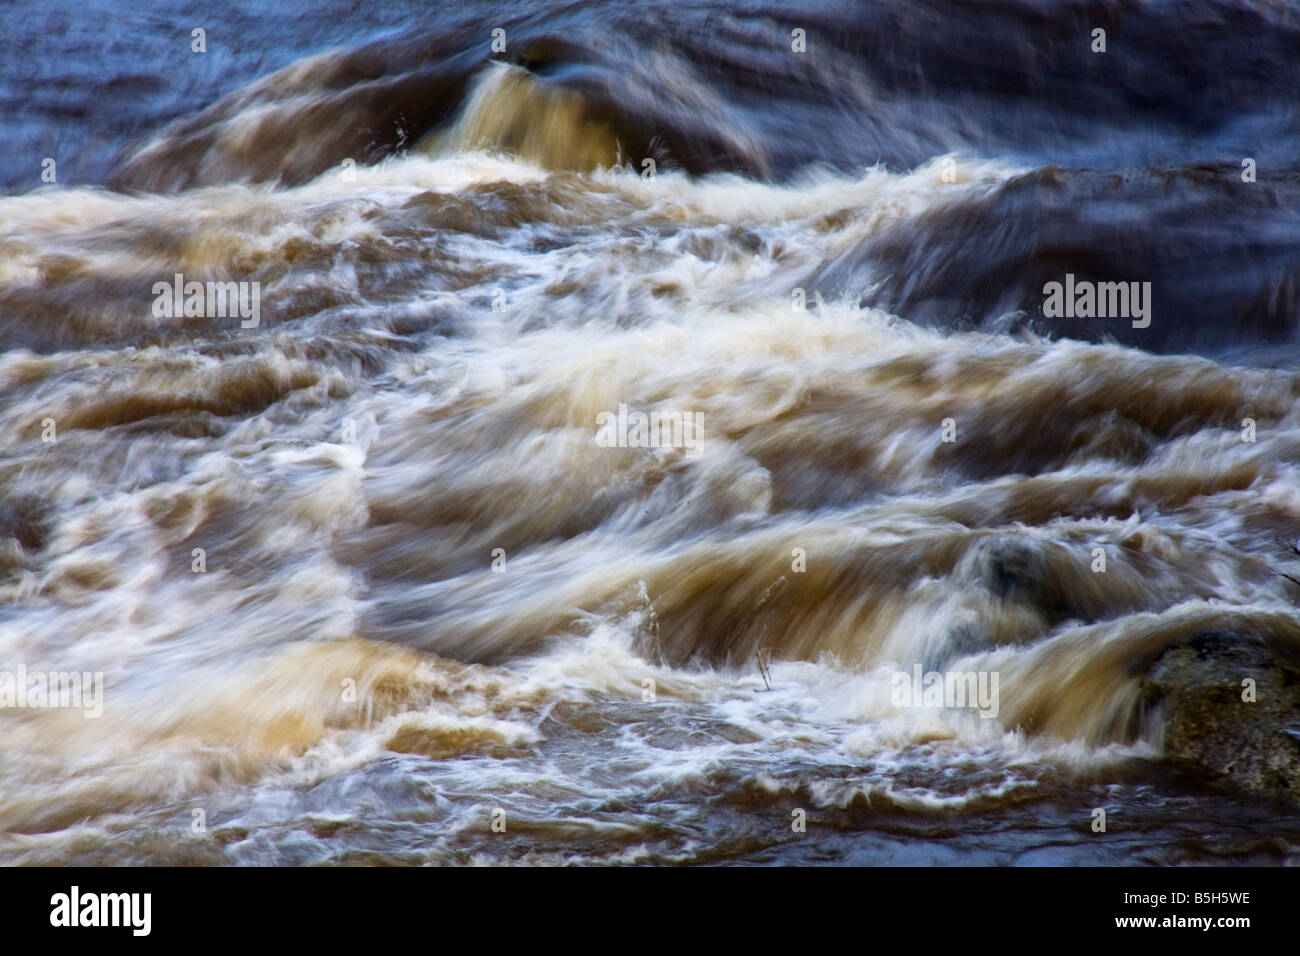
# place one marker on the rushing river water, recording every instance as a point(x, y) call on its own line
point(363, 574)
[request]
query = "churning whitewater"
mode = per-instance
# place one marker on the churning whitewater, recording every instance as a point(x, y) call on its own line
point(643, 508)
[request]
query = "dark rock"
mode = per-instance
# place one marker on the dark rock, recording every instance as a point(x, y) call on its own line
point(1255, 744)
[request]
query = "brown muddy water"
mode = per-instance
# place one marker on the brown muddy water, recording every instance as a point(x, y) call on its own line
point(364, 572)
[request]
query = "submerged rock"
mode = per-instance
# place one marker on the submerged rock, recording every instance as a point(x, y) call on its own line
point(1215, 718)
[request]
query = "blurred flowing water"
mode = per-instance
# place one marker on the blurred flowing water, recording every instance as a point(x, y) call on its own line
point(430, 592)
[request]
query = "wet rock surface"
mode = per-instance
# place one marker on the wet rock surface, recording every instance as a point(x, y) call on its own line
point(1211, 720)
